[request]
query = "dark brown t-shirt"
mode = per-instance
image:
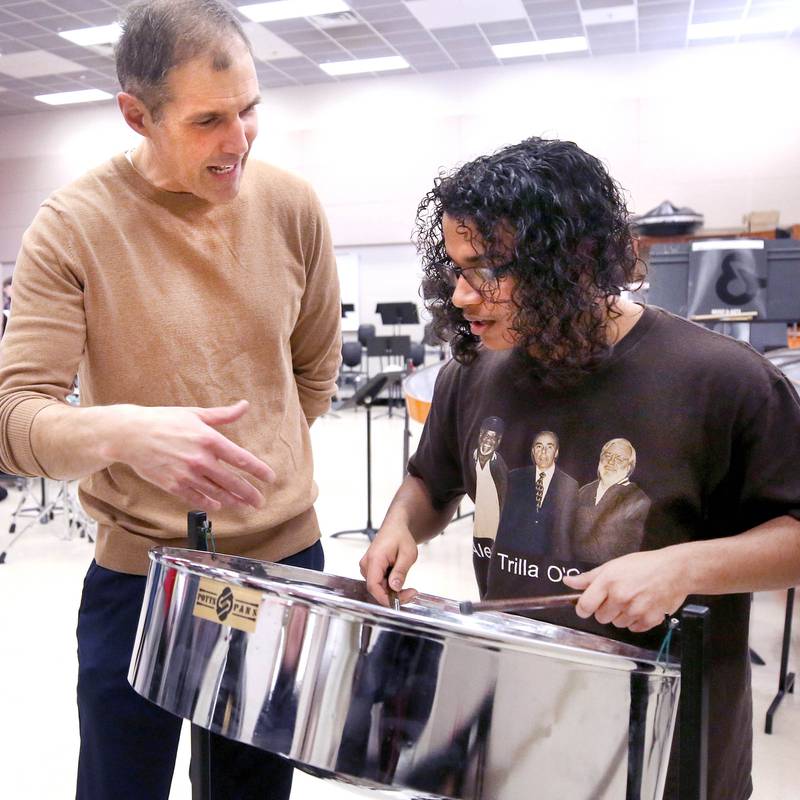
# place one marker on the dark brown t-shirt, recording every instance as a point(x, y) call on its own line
point(683, 435)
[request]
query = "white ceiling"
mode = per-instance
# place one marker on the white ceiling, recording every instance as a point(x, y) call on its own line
point(431, 35)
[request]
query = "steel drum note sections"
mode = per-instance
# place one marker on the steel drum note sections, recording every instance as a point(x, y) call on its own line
point(416, 703)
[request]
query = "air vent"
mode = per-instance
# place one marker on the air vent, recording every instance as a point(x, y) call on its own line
point(337, 20)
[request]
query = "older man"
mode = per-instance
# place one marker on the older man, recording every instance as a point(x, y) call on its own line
point(191, 290)
point(612, 510)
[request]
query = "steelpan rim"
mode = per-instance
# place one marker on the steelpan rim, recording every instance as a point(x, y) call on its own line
point(505, 635)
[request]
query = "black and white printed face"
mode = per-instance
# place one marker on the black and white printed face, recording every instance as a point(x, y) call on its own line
point(488, 442)
point(615, 465)
point(544, 451)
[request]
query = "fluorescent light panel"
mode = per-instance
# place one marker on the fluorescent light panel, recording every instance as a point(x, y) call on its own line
point(541, 47)
point(86, 37)
point(291, 9)
point(742, 27)
point(364, 65)
point(65, 98)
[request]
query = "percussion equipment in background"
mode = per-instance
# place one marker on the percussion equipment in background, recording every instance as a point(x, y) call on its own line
point(418, 703)
point(418, 390)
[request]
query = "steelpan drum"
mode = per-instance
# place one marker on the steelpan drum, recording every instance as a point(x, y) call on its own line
point(418, 390)
point(417, 703)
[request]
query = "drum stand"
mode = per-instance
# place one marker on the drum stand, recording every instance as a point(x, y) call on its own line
point(695, 657)
point(34, 505)
point(785, 678)
point(199, 533)
point(365, 396)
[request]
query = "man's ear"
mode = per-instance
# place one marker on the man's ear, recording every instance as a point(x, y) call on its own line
point(135, 113)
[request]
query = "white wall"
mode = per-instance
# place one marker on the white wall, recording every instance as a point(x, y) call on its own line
point(714, 128)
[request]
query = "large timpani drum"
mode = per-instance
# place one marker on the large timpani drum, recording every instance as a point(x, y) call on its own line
point(417, 703)
point(418, 390)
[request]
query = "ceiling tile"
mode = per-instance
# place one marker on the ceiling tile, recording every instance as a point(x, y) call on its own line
point(385, 12)
point(76, 6)
point(665, 9)
point(511, 26)
point(62, 22)
point(569, 25)
point(710, 5)
point(36, 62)
point(587, 5)
point(458, 32)
point(718, 15)
point(613, 29)
point(398, 26)
point(267, 45)
point(21, 29)
point(101, 16)
point(349, 31)
point(33, 10)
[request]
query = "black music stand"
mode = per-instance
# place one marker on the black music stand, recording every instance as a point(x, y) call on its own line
point(390, 347)
point(347, 308)
point(365, 396)
point(397, 314)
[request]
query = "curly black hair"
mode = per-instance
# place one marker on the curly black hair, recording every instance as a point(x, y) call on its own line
point(572, 251)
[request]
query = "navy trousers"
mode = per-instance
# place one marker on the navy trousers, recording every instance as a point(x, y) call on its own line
point(128, 744)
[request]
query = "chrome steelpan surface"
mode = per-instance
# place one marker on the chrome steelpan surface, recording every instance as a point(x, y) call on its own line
point(418, 703)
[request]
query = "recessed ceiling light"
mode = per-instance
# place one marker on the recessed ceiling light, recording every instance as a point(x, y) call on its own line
point(742, 27)
point(541, 47)
point(291, 9)
point(364, 65)
point(65, 98)
point(86, 37)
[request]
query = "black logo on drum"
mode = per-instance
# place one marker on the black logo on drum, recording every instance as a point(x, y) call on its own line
point(224, 603)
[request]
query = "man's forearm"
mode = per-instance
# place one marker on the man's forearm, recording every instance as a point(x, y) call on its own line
point(762, 559)
point(412, 508)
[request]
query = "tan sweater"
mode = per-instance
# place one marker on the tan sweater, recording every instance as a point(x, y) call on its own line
point(159, 298)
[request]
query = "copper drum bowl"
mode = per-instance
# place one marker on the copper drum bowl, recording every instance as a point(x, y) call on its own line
point(418, 390)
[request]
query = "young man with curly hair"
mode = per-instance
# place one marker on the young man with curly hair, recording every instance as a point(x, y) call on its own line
point(526, 254)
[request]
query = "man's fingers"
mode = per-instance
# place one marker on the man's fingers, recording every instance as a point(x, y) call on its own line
point(234, 487)
point(196, 499)
point(223, 495)
point(225, 450)
point(222, 415)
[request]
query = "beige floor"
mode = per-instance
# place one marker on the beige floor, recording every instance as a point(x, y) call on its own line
point(40, 587)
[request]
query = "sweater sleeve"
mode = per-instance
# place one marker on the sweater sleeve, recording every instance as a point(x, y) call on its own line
point(316, 338)
point(44, 340)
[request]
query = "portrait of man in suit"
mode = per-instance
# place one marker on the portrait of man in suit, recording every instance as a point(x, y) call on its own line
point(611, 510)
point(539, 511)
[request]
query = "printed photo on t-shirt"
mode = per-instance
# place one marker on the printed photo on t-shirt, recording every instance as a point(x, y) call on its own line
point(535, 523)
point(491, 475)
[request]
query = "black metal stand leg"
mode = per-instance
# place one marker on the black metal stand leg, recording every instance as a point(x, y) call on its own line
point(755, 658)
point(785, 678)
point(368, 531)
point(200, 764)
point(695, 657)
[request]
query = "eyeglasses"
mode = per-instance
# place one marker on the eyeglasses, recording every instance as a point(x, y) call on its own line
point(480, 278)
point(614, 460)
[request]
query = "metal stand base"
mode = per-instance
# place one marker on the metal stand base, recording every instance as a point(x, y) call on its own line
point(34, 506)
point(785, 678)
point(367, 530)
